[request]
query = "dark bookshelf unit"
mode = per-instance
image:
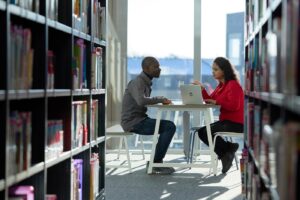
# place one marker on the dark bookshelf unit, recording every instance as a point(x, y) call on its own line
point(52, 99)
point(272, 100)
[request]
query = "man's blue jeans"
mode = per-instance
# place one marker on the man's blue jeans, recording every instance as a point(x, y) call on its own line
point(166, 132)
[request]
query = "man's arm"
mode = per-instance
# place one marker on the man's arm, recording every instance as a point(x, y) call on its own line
point(138, 93)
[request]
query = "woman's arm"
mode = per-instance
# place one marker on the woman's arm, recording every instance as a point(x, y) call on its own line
point(231, 97)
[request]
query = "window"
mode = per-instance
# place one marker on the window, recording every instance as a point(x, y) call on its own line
point(234, 50)
point(222, 33)
point(165, 29)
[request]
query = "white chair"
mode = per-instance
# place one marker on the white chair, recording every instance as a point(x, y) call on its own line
point(229, 135)
point(193, 132)
point(117, 131)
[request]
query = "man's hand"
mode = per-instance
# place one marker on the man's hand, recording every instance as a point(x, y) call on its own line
point(166, 101)
point(210, 101)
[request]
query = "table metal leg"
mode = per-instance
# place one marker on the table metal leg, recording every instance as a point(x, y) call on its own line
point(155, 139)
point(211, 148)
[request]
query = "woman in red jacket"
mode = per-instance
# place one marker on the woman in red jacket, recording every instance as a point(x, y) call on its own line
point(229, 95)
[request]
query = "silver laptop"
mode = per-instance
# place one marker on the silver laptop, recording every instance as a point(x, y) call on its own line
point(191, 94)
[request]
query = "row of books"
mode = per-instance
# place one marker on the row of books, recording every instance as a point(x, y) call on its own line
point(26, 192)
point(253, 126)
point(99, 14)
point(255, 10)
point(19, 142)
point(263, 71)
point(79, 122)
point(267, 56)
point(33, 5)
point(287, 158)
point(22, 61)
point(275, 149)
point(290, 48)
point(80, 15)
point(55, 138)
point(253, 187)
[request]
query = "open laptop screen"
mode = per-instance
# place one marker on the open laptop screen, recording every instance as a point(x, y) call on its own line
point(191, 94)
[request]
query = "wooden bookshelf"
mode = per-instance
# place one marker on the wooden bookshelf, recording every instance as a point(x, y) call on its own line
point(272, 99)
point(47, 122)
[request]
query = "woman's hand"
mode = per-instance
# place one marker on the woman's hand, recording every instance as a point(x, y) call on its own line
point(196, 82)
point(210, 101)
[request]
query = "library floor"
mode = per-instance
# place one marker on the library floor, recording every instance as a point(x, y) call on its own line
point(184, 184)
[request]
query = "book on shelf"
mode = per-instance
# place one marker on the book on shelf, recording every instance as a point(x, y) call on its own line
point(22, 61)
point(95, 116)
point(50, 70)
point(25, 192)
point(243, 163)
point(76, 179)
point(256, 131)
point(96, 68)
point(79, 123)
point(288, 152)
point(79, 68)
point(94, 181)
point(19, 142)
point(55, 138)
point(264, 66)
point(266, 143)
point(51, 197)
point(80, 15)
point(249, 117)
point(274, 56)
point(290, 46)
point(99, 14)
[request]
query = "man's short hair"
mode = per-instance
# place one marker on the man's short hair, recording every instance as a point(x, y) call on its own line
point(149, 61)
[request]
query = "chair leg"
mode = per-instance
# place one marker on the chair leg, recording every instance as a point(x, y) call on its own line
point(235, 156)
point(120, 147)
point(192, 146)
point(143, 149)
point(136, 142)
point(127, 153)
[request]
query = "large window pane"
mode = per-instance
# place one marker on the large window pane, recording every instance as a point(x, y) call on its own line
point(164, 29)
point(222, 31)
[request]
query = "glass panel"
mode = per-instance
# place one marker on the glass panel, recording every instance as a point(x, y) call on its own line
point(222, 33)
point(163, 29)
